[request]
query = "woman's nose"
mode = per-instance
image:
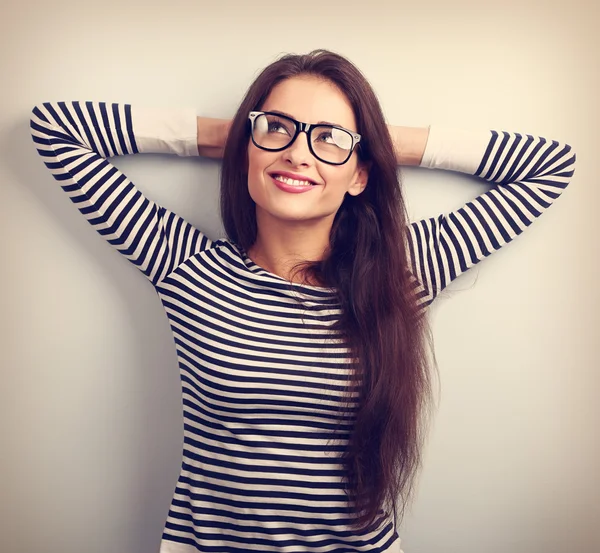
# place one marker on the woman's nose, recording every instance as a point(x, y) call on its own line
point(298, 153)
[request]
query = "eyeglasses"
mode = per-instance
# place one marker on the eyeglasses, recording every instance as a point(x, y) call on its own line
point(328, 143)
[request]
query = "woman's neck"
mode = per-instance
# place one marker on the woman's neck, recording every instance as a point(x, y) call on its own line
point(281, 245)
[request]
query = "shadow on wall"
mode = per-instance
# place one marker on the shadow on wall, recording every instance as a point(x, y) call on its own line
point(144, 452)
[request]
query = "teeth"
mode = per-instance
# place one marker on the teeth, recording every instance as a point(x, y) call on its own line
point(293, 182)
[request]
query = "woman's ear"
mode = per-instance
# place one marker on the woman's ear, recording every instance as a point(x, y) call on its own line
point(360, 179)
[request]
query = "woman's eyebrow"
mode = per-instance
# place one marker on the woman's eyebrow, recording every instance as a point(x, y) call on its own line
point(291, 117)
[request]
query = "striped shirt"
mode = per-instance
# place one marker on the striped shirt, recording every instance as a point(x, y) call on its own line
point(262, 373)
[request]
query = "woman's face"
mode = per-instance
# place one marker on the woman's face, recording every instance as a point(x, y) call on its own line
point(310, 100)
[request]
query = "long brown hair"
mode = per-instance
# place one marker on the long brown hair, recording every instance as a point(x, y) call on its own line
point(368, 268)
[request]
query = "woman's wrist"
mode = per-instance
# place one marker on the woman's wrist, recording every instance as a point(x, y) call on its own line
point(212, 135)
point(409, 143)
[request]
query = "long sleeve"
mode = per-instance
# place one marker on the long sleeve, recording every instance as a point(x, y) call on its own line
point(76, 138)
point(528, 174)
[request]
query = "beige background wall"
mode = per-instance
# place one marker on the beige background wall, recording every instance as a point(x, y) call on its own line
point(89, 395)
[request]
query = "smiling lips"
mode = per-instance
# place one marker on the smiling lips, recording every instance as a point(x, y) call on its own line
point(294, 186)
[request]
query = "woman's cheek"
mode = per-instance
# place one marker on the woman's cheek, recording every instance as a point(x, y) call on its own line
point(257, 188)
point(254, 189)
point(256, 168)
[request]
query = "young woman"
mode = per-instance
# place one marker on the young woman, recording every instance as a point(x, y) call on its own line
point(301, 339)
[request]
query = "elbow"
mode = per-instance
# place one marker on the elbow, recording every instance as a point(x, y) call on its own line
point(570, 161)
point(564, 164)
point(37, 118)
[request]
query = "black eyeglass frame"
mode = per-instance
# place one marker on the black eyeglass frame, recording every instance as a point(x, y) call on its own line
point(302, 127)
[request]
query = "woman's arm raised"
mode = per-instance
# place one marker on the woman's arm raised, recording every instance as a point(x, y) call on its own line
point(74, 140)
point(528, 172)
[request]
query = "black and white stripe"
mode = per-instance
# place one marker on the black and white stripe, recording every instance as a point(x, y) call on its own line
point(261, 372)
point(529, 173)
point(74, 139)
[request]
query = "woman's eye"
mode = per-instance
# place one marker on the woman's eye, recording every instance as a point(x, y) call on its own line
point(277, 127)
point(325, 136)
